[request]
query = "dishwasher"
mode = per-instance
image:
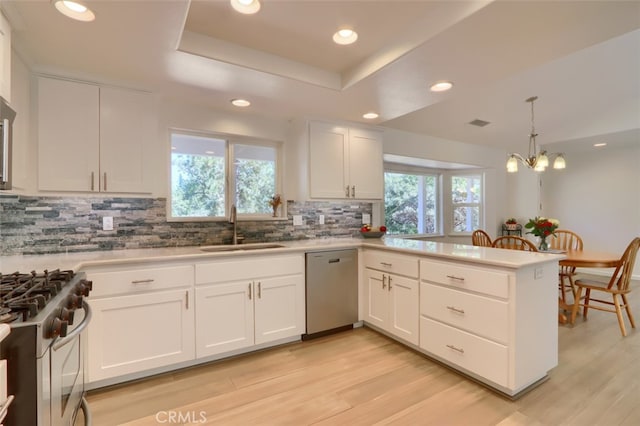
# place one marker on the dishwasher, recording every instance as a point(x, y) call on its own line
point(331, 291)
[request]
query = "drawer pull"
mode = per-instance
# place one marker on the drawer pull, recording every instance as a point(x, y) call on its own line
point(460, 350)
point(456, 310)
point(453, 277)
point(259, 290)
point(388, 265)
point(383, 283)
point(147, 281)
point(249, 291)
point(389, 282)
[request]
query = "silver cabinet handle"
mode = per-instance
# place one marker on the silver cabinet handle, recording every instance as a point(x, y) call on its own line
point(186, 300)
point(259, 290)
point(249, 291)
point(383, 283)
point(4, 173)
point(93, 181)
point(453, 277)
point(105, 181)
point(389, 282)
point(456, 310)
point(353, 191)
point(346, 191)
point(460, 350)
point(388, 265)
point(147, 281)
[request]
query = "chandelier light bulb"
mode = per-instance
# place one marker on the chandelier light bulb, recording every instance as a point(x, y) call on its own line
point(559, 163)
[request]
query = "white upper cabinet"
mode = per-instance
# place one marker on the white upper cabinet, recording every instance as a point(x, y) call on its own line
point(93, 138)
point(344, 162)
point(5, 58)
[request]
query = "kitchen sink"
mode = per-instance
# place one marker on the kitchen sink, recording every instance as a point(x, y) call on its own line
point(240, 247)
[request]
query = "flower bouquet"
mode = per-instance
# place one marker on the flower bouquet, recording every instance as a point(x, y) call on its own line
point(542, 227)
point(275, 202)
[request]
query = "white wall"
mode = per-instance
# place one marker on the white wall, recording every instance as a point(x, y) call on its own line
point(597, 196)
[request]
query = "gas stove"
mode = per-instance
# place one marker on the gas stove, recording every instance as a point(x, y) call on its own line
point(47, 314)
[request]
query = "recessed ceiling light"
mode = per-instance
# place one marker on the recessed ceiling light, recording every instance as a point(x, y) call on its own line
point(601, 144)
point(345, 36)
point(240, 102)
point(370, 115)
point(75, 9)
point(441, 86)
point(247, 7)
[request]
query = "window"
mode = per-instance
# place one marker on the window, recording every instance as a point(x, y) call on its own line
point(210, 173)
point(411, 203)
point(417, 200)
point(466, 200)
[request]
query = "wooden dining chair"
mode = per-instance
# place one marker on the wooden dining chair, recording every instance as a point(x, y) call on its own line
point(618, 287)
point(564, 239)
point(513, 242)
point(481, 238)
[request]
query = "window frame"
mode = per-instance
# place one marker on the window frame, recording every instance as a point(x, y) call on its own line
point(230, 176)
point(445, 207)
point(451, 205)
point(422, 171)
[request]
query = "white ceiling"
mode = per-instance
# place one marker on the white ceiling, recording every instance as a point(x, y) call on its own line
point(581, 58)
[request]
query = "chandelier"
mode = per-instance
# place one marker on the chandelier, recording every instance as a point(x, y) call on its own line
point(538, 161)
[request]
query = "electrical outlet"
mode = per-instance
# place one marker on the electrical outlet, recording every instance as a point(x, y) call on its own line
point(107, 223)
point(366, 218)
point(297, 220)
point(537, 274)
point(321, 219)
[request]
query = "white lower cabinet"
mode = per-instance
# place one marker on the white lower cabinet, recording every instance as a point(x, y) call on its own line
point(391, 299)
point(241, 303)
point(142, 320)
point(497, 325)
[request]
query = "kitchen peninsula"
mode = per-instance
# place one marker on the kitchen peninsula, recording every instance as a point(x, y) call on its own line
point(488, 313)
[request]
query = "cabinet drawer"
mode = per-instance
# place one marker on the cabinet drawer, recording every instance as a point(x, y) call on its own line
point(477, 314)
point(393, 263)
point(479, 356)
point(248, 268)
point(479, 280)
point(140, 280)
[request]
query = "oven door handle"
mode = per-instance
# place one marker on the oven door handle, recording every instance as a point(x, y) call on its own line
point(76, 331)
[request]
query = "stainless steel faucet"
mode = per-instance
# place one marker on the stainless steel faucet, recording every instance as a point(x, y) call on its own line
point(233, 219)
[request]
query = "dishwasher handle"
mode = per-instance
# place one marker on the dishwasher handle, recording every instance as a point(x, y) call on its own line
point(334, 260)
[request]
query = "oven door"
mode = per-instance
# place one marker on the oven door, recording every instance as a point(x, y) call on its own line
point(67, 370)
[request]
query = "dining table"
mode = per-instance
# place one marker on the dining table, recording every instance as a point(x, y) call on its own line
point(584, 259)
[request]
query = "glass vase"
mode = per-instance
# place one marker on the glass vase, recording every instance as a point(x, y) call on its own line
point(543, 244)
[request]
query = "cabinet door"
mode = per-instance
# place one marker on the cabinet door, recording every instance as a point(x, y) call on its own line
point(404, 310)
point(129, 334)
point(67, 135)
point(377, 299)
point(279, 308)
point(327, 161)
point(224, 318)
point(365, 164)
point(127, 128)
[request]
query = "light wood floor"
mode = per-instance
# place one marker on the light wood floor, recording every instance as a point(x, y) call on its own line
point(360, 377)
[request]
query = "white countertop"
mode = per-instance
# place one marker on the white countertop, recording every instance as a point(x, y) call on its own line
point(512, 259)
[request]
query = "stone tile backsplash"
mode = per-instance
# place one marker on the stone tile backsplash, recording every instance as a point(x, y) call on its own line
point(38, 225)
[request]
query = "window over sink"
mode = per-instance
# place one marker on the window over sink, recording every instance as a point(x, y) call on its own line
point(211, 172)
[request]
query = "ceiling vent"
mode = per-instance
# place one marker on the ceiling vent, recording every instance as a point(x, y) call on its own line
point(478, 122)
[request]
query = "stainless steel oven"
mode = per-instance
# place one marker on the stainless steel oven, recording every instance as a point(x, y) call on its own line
point(48, 317)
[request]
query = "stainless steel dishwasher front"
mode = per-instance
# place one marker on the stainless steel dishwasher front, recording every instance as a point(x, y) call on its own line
point(331, 291)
